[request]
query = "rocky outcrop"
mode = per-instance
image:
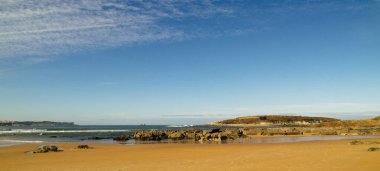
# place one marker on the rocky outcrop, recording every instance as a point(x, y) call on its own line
point(150, 135)
point(189, 134)
point(319, 126)
point(212, 134)
point(235, 133)
point(176, 135)
point(249, 132)
point(374, 149)
point(47, 148)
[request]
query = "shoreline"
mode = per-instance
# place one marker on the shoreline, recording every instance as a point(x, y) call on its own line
point(249, 140)
point(312, 155)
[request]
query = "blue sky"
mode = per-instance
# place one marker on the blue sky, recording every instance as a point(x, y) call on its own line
point(187, 62)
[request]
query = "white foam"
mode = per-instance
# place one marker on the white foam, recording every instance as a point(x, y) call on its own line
point(6, 143)
point(21, 141)
point(25, 131)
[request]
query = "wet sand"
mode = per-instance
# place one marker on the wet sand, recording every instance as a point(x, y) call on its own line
point(336, 155)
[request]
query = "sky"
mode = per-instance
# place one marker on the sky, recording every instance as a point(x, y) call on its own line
point(187, 62)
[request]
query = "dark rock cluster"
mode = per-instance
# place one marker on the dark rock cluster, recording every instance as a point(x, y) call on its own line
point(272, 131)
point(98, 138)
point(188, 134)
point(47, 148)
point(219, 134)
point(374, 149)
point(235, 133)
point(83, 147)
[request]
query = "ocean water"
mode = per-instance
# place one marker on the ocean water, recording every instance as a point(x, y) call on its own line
point(13, 135)
point(85, 134)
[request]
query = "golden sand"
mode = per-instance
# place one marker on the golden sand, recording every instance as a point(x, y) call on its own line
point(307, 156)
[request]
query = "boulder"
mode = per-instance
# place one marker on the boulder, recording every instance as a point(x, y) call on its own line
point(53, 148)
point(150, 135)
point(83, 147)
point(356, 142)
point(47, 148)
point(374, 149)
point(176, 136)
point(215, 130)
point(221, 137)
point(43, 149)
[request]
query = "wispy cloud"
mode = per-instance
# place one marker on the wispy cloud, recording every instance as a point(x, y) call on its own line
point(48, 27)
point(39, 29)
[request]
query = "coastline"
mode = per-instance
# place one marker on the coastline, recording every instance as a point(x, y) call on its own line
point(311, 155)
point(248, 140)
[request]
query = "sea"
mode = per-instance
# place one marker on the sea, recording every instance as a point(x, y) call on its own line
point(16, 135)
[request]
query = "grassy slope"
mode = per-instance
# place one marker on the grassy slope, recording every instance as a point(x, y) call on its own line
point(275, 119)
point(347, 123)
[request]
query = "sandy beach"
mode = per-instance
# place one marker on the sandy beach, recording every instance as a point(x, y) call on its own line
point(315, 155)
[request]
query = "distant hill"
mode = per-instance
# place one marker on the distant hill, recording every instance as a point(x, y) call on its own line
point(35, 123)
point(274, 120)
point(352, 123)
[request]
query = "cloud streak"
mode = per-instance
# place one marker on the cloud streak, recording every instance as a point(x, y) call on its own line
point(46, 27)
point(40, 29)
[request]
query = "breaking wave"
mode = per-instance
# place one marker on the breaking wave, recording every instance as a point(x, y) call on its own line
point(26, 131)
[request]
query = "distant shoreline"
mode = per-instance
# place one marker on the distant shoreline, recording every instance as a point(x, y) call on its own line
point(35, 123)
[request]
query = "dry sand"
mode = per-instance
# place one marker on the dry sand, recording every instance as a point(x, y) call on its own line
point(308, 156)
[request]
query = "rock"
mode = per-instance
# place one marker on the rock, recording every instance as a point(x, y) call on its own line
point(374, 149)
point(97, 138)
point(47, 148)
point(222, 137)
point(53, 148)
point(176, 136)
point(150, 135)
point(329, 132)
point(121, 138)
point(213, 137)
point(250, 132)
point(202, 139)
point(43, 149)
point(192, 133)
point(215, 130)
point(233, 133)
point(83, 147)
point(356, 142)
point(270, 131)
point(240, 133)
